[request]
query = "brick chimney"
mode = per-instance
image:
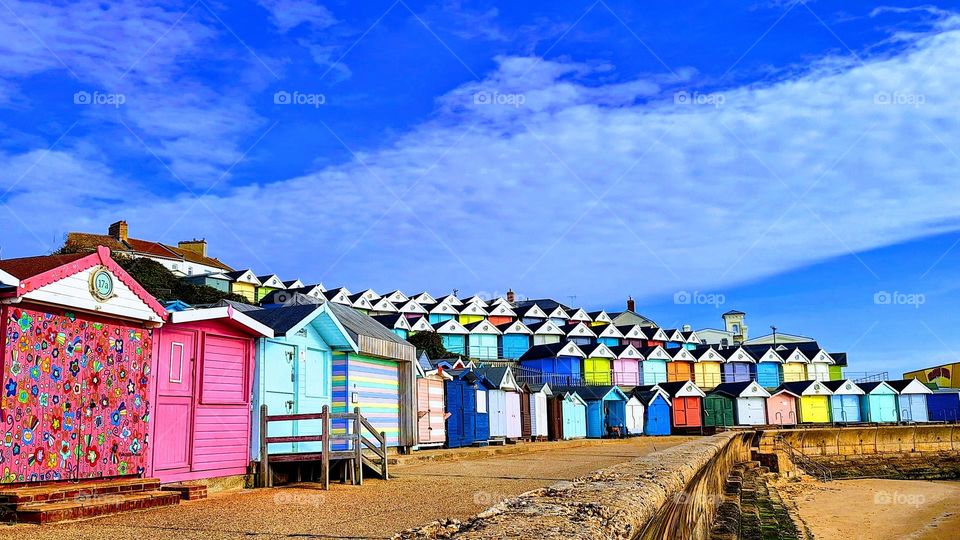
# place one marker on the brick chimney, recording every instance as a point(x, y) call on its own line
point(631, 305)
point(510, 296)
point(195, 246)
point(118, 231)
point(687, 328)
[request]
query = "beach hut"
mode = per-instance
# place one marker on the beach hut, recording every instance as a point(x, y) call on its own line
point(708, 370)
point(545, 332)
point(515, 339)
point(531, 314)
point(632, 335)
point(454, 336)
point(598, 364)
point(204, 366)
point(540, 396)
point(656, 413)
point(268, 284)
point(608, 334)
point(879, 402)
point(681, 365)
point(578, 315)
point(244, 283)
point(818, 367)
point(468, 420)
point(737, 403)
point(599, 318)
point(441, 312)
point(782, 407)
point(769, 364)
point(635, 411)
point(653, 369)
point(423, 298)
point(943, 405)
point(559, 363)
point(737, 364)
point(655, 337)
point(674, 338)
point(813, 402)
point(845, 401)
point(370, 294)
point(691, 339)
point(504, 399)
point(218, 280)
point(686, 403)
point(500, 314)
point(411, 309)
point(294, 370)
point(606, 410)
point(475, 299)
point(911, 400)
point(574, 416)
point(419, 325)
point(471, 313)
point(431, 403)
point(340, 295)
point(450, 299)
point(839, 364)
point(396, 297)
point(78, 358)
point(580, 333)
point(483, 340)
point(558, 315)
point(396, 323)
point(379, 306)
point(626, 366)
point(794, 363)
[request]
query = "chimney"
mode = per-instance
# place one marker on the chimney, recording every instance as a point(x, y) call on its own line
point(510, 296)
point(195, 246)
point(686, 328)
point(631, 305)
point(118, 230)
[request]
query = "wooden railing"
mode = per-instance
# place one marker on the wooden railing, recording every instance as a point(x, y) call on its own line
point(355, 424)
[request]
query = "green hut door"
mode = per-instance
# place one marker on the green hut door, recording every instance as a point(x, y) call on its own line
point(719, 411)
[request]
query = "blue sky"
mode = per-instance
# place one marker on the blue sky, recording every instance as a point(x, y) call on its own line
point(795, 159)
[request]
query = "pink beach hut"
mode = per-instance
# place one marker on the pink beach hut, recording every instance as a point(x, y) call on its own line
point(782, 408)
point(204, 365)
point(626, 366)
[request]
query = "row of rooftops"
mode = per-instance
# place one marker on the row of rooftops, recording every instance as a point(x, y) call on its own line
point(786, 353)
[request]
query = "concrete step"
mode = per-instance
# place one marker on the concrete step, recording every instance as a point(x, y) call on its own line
point(188, 492)
point(52, 511)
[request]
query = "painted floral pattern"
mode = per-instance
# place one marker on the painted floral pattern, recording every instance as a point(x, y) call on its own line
point(75, 397)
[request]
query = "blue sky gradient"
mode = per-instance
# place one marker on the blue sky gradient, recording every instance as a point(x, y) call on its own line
point(797, 158)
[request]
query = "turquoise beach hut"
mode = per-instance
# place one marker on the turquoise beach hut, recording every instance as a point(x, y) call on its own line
point(911, 400)
point(653, 368)
point(515, 339)
point(879, 402)
point(606, 410)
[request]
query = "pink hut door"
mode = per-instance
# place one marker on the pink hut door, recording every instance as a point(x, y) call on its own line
point(175, 375)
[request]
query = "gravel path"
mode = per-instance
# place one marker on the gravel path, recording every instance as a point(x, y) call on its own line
point(418, 493)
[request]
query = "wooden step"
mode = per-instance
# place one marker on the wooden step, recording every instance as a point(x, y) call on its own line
point(80, 507)
point(15, 496)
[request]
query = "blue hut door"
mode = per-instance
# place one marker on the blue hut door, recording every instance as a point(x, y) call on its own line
point(455, 407)
point(913, 408)
point(846, 408)
point(658, 418)
point(595, 427)
point(279, 390)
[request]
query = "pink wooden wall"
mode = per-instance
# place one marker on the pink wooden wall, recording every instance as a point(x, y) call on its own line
point(75, 396)
point(782, 409)
point(626, 372)
point(202, 426)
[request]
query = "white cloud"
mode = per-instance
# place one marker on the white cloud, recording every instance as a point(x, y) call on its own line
point(695, 196)
point(289, 14)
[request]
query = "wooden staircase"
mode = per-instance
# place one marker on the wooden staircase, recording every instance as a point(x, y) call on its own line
point(61, 501)
point(361, 445)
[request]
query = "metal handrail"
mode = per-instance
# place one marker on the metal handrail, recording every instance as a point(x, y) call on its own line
point(808, 466)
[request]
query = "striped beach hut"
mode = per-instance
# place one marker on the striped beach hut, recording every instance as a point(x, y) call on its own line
point(879, 402)
point(431, 402)
point(911, 400)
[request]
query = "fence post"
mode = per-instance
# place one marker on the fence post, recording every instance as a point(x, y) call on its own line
point(326, 446)
point(383, 449)
point(265, 476)
point(357, 446)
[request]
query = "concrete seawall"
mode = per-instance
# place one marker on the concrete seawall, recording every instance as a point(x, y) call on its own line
point(663, 495)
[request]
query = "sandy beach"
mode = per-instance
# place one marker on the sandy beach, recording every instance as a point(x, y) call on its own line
point(877, 509)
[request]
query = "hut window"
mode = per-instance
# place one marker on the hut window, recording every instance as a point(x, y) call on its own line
point(481, 401)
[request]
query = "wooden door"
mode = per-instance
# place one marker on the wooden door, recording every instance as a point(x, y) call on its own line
point(279, 367)
point(175, 402)
point(555, 418)
point(423, 411)
point(526, 419)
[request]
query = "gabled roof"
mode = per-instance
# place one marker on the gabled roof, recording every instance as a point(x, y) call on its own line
point(792, 353)
point(292, 284)
point(396, 296)
point(681, 389)
point(360, 301)
point(7, 280)
point(536, 388)
point(442, 308)
point(473, 309)
point(553, 350)
point(340, 296)
point(763, 353)
point(909, 386)
point(607, 331)
point(628, 317)
point(683, 355)
point(579, 330)
point(655, 353)
point(421, 325)
point(382, 305)
point(805, 388)
point(501, 376)
point(289, 320)
point(424, 298)
point(741, 389)
point(648, 394)
point(546, 328)
point(410, 306)
point(653, 333)
point(531, 311)
point(631, 331)
point(244, 276)
point(469, 374)
point(627, 351)
point(515, 327)
point(690, 336)
point(736, 354)
point(450, 327)
point(558, 312)
point(393, 321)
point(876, 386)
point(475, 299)
point(674, 335)
point(501, 310)
point(371, 295)
point(176, 305)
point(34, 273)
point(707, 353)
point(372, 337)
point(734, 312)
point(600, 316)
point(482, 327)
point(844, 386)
point(498, 301)
point(839, 358)
point(235, 318)
point(545, 304)
point(578, 314)
point(597, 350)
point(594, 393)
point(271, 280)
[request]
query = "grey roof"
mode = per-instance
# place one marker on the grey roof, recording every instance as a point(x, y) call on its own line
point(588, 393)
point(239, 306)
point(282, 319)
point(358, 324)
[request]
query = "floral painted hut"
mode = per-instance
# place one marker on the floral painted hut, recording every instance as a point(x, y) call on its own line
point(76, 359)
